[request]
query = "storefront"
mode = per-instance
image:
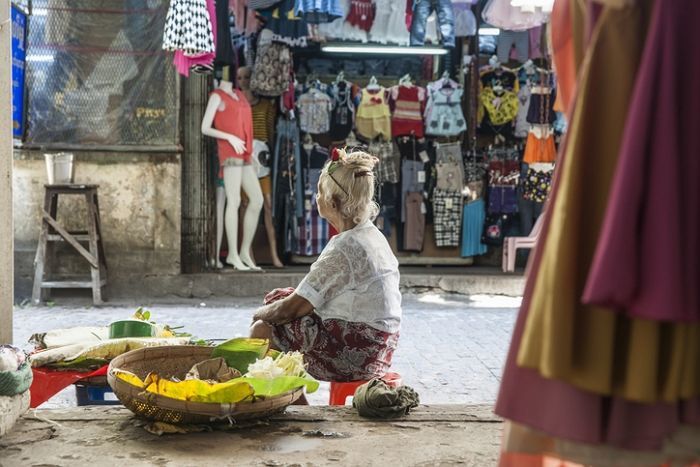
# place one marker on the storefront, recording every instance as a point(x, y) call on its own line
point(458, 112)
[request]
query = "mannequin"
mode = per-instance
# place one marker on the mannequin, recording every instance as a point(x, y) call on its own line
point(263, 111)
point(228, 118)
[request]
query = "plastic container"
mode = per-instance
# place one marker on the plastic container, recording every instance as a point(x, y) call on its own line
point(131, 328)
point(59, 168)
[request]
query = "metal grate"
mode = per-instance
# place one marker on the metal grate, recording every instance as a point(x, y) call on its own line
point(96, 74)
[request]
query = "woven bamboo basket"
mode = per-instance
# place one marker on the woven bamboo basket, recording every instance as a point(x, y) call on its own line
point(176, 361)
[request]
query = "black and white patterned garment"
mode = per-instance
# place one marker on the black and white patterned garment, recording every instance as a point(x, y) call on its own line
point(188, 28)
point(387, 170)
point(447, 217)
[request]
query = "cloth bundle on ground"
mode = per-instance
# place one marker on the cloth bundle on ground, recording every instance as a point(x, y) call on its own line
point(375, 399)
point(15, 372)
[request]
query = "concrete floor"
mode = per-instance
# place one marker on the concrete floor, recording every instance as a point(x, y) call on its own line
point(451, 349)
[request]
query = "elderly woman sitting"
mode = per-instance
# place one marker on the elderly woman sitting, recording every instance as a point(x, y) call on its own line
point(346, 313)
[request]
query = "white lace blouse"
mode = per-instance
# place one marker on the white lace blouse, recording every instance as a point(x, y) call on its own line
point(356, 278)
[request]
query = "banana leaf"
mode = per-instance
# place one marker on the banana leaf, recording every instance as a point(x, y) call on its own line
point(241, 352)
point(80, 363)
point(194, 390)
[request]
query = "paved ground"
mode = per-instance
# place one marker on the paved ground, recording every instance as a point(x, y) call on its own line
point(451, 348)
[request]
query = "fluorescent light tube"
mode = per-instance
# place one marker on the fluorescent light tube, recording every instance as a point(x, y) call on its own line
point(379, 49)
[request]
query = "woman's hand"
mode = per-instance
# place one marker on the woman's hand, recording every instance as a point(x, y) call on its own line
point(277, 294)
point(236, 143)
point(284, 311)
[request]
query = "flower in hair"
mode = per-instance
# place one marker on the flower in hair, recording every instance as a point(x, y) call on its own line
point(335, 155)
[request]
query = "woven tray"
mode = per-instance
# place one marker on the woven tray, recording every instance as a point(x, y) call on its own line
point(176, 361)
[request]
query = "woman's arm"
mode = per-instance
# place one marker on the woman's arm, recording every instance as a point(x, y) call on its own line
point(285, 310)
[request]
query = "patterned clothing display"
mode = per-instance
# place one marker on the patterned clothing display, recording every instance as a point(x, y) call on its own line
point(447, 215)
point(337, 350)
point(387, 167)
point(343, 115)
point(541, 109)
point(500, 108)
point(389, 25)
point(536, 185)
point(184, 63)
point(444, 115)
point(284, 24)
point(319, 11)
point(408, 103)
point(264, 113)
point(373, 115)
point(313, 229)
point(233, 116)
point(494, 84)
point(361, 14)
point(315, 112)
point(287, 186)
point(449, 176)
point(188, 28)
point(451, 153)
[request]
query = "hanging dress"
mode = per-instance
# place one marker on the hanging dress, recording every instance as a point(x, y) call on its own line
point(389, 26)
point(373, 117)
point(407, 118)
point(188, 28)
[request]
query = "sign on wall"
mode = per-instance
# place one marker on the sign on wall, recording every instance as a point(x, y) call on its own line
point(19, 51)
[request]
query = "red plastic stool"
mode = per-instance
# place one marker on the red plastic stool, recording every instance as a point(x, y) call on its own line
point(341, 391)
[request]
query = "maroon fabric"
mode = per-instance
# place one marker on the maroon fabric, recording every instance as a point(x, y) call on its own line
point(361, 14)
point(337, 350)
point(647, 262)
point(562, 411)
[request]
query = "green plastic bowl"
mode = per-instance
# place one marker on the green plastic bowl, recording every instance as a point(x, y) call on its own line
point(131, 328)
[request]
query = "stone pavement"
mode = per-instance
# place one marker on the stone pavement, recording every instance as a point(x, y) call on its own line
point(451, 349)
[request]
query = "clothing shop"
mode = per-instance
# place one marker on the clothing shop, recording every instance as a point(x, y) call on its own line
point(464, 125)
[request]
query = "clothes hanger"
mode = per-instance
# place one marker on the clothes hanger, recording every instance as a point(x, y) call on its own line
point(373, 84)
point(340, 77)
point(405, 80)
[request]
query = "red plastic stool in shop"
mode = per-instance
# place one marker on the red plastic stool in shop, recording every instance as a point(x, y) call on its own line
point(341, 391)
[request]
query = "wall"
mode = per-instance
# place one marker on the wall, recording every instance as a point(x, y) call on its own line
point(140, 207)
point(6, 272)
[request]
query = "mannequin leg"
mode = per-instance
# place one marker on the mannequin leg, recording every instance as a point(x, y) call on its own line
point(270, 229)
point(251, 187)
point(220, 205)
point(232, 185)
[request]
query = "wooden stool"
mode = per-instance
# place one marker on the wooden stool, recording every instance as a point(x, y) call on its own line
point(52, 231)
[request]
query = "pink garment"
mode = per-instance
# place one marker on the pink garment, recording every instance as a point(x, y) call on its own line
point(246, 21)
point(183, 63)
point(500, 14)
point(647, 262)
